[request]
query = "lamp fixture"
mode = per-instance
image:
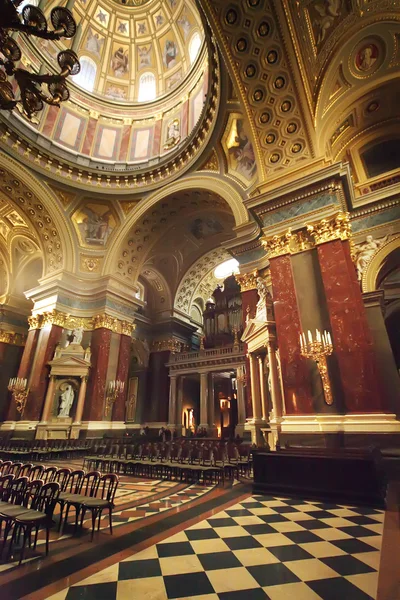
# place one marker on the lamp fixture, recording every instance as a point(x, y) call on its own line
point(318, 348)
point(32, 22)
point(19, 388)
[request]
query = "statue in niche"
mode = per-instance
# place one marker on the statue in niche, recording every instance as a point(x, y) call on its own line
point(75, 336)
point(263, 293)
point(173, 135)
point(67, 399)
point(365, 253)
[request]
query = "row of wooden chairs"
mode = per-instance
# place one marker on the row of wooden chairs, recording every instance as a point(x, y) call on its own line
point(26, 506)
point(43, 449)
point(82, 491)
point(186, 461)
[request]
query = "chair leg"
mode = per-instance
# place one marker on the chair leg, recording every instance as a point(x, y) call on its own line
point(110, 519)
point(21, 557)
point(94, 517)
point(61, 516)
point(47, 538)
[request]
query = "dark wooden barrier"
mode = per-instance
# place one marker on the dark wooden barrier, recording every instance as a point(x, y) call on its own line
point(341, 476)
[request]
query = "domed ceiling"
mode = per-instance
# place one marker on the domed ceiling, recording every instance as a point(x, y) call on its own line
point(127, 42)
point(140, 95)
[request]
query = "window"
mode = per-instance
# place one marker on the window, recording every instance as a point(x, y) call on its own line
point(87, 75)
point(227, 268)
point(194, 46)
point(147, 87)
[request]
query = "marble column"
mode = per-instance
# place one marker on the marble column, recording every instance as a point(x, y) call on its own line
point(249, 303)
point(48, 404)
point(179, 405)
point(255, 387)
point(49, 337)
point(351, 336)
point(158, 387)
point(295, 372)
point(76, 425)
point(100, 347)
point(118, 413)
point(375, 310)
point(263, 389)
point(240, 376)
point(204, 400)
point(276, 396)
point(211, 405)
point(172, 416)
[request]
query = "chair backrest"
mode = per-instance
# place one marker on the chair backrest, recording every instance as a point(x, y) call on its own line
point(48, 474)
point(36, 472)
point(90, 483)
point(74, 481)
point(107, 487)
point(14, 468)
point(25, 470)
point(61, 477)
point(47, 498)
point(5, 466)
point(5, 483)
point(16, 490)
point(31, 492)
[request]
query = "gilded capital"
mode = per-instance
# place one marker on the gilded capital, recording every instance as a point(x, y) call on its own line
point(247, 281)
point(106, 322)
point(127, 328)
point(278, 245)
point(334, 228)
point(54, 317)
point(35, 321)
point(170, 344)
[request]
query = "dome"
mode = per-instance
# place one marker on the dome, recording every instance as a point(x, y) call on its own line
point(141, 93)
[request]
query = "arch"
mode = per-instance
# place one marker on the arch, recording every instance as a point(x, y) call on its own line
point(147, 87)
point(87, 75)
point(41, 206)
point(206, 182)
point(370, 275)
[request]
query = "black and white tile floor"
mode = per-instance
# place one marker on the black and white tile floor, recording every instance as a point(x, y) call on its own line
point(264, 547)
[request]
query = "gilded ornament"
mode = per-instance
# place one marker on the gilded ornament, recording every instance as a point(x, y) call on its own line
point(247, 281)
point(35, 321)
point(169, 344)
point(12, 338)
point(212, 163)
point(103, 321)
point(334, 228)
point(90, 264)
point(278, 245)
point(127, 328)
point(54, 317)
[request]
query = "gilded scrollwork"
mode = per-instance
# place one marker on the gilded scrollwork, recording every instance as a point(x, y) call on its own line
point(247, 281)
point(12, 338)
point(334, 228)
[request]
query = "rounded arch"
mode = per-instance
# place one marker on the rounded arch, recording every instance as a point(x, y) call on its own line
point(86, 78)
point(41, 207)
point(370, 275)
point(206, 182)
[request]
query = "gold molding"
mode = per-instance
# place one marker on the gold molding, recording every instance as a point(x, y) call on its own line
point(247, 281)
point(54, 317)
point(34, 321)
point(170, 344)
point(68, 321)
point(334, 228)
point(12, 338)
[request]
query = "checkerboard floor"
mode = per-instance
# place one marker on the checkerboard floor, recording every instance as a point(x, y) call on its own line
point(264, 547)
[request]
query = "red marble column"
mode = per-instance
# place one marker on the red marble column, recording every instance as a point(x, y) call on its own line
point(122, 374)
point(295, 374)
point(48, 338)
point(352, 339)
point(95, 395)
point(249, 301)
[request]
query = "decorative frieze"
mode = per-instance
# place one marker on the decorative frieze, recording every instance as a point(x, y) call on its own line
point(168, 344)
point(56, 317)
point(13, 338)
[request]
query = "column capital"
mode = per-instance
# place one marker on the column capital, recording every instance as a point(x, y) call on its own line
point(247, 281)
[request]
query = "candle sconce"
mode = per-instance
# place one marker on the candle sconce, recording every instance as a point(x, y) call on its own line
point(114, 389)
point(318, 349)
point(20, 391)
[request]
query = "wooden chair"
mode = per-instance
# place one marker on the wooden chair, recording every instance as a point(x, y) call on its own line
point(41, 514)
point(72, 487)
point(104, 499)
point(87, 489)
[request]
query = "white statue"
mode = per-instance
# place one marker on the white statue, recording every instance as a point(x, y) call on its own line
point(77, 335)
point(67, 400)
point(262, 290)
point(366, 252)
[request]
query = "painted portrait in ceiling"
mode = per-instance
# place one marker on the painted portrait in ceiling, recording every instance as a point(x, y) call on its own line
point(94, 223)
point(120, 61)
point(203, 228)
point(239, 149)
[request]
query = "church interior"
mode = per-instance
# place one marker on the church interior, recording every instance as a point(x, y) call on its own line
point(213, 415)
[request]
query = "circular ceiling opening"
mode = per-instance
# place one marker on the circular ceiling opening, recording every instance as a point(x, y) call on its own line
point(227, 268)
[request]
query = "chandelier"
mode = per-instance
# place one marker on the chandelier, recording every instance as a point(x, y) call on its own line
point(32, 21)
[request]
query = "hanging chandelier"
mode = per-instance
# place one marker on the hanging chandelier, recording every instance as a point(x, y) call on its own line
point(32, 22)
